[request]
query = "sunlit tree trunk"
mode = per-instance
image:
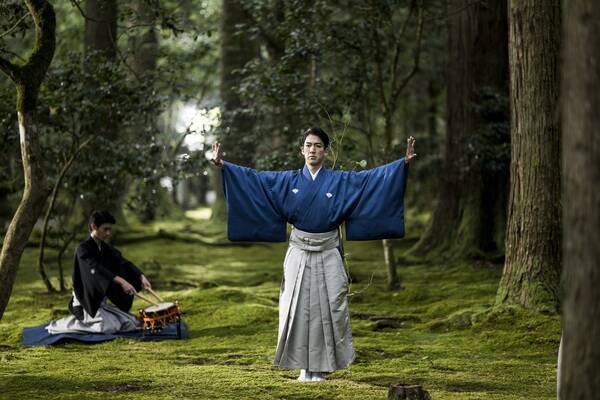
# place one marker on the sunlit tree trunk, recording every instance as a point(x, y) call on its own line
point(27, 78)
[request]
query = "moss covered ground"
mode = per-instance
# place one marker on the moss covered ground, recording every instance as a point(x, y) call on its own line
point(440, 331)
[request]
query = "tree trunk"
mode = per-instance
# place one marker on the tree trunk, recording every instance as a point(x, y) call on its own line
point(237, 49)
point(393, 282)
point(27, 78)
point(144, 46)
point(581, 212)
point(403, 391)
point(532, 267)
point(101, 27)
point(101, 39)
point(31, 206)
point(465, 222)
point(63, 172)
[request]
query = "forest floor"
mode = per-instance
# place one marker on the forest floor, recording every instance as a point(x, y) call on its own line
point(447, 335)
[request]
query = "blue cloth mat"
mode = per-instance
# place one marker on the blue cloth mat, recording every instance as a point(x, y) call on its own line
point(39, 336)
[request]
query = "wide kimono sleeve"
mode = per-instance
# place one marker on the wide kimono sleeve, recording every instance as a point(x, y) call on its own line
point(379, 209)
point(127, 270)
point(91, 279)
point(253, 214)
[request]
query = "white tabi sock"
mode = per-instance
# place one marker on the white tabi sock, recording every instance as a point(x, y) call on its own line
point(305, 376)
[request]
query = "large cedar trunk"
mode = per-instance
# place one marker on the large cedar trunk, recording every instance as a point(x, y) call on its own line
point(27, 79)
point(469, 218)
point(581, 212)
point(237, 49)
point(532, 267)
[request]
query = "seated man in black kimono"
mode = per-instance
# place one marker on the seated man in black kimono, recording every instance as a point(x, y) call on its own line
point(101, 273)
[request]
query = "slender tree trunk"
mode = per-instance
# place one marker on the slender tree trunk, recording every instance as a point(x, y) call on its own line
point(47, 217)
point(30, 208)
point(581, 212)
point(532, 268)
point(432, 109)
point(61, 252)
point(393, 282)
point(27, 78)
point(464, 222)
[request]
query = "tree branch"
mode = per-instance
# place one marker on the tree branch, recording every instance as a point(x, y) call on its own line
point(12, 53)
point(379, 70)
point(45, 40)
point(12, 28)
point(76, 4)
point(396, 91)
point(10, 69)
point(269, 39)
point(398, 40)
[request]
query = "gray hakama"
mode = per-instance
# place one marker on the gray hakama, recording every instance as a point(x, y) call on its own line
point(314, 321)
point(109, 319)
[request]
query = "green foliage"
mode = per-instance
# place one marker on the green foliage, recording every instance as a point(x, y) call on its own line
point(14, 23)
point(79, 88)
point(97, 88)
point(331, 64)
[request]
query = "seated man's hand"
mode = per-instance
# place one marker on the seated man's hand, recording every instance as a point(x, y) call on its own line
point(145, 282)
point(126, 286)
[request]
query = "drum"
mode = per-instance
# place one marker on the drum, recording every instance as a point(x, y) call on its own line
point(157, 316)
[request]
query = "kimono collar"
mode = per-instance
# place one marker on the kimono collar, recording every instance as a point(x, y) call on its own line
point(308, 175)
point(98, 246)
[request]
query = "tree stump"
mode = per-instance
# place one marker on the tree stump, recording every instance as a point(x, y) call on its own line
point(386, 323)
point(401, 391)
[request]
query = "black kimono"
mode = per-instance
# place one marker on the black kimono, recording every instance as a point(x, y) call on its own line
point(93, 273)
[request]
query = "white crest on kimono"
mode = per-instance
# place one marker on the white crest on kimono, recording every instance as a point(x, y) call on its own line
point(295, 190)
point(329, 195)
point(93, 271)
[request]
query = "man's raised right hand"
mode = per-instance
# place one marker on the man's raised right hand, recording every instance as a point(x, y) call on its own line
point(216, 155)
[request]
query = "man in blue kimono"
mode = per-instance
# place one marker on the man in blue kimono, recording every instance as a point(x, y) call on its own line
point(314, 322)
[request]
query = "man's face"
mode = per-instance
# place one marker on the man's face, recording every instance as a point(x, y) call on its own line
point(101, 232)
point(314, 151)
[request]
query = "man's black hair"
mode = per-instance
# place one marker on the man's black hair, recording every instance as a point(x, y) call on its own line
point(101, 217)
point(317, 132)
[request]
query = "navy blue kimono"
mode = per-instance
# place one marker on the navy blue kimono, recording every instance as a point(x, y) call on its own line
point(260, 204)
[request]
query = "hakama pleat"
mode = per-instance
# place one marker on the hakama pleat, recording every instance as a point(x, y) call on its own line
point(314, 322)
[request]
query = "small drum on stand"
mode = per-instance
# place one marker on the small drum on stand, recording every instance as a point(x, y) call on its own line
point(159, 315)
